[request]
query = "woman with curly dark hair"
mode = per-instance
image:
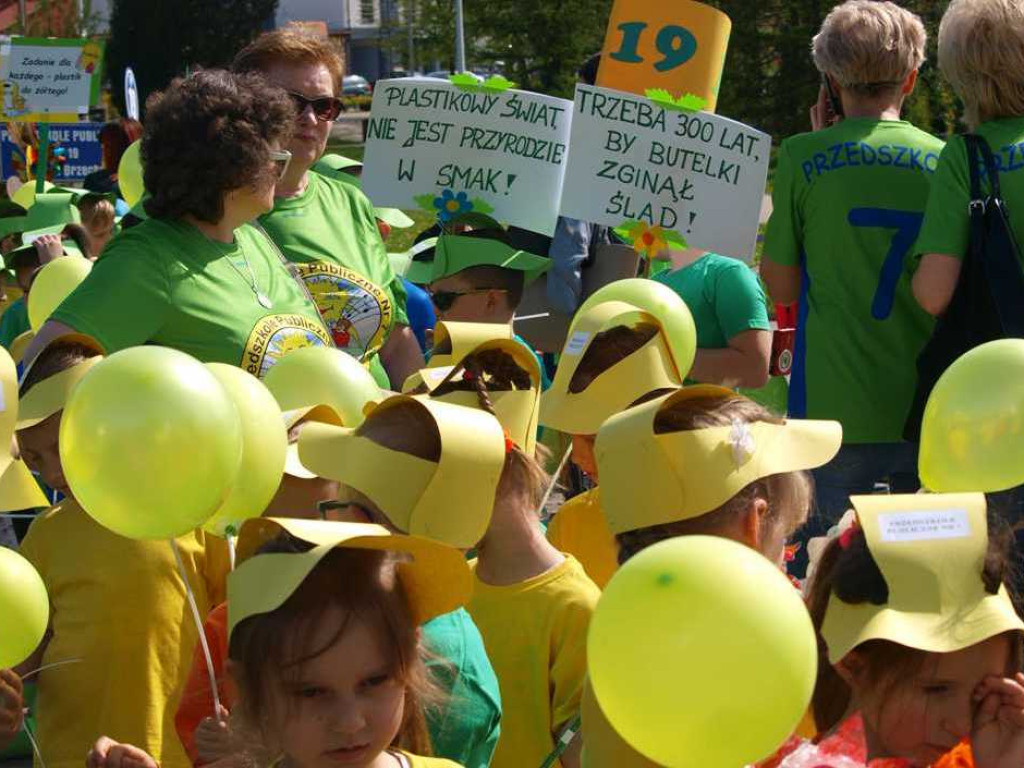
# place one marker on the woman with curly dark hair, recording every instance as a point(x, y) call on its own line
point(196, 276)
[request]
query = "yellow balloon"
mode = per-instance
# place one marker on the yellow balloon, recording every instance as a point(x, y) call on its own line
point(972, 433)
point(54, 283)
point(662, 302)
point(129, 174)
point(312, 376)
point(24, 606)
point(264, 445)
point(701, 653)
point(150, 443)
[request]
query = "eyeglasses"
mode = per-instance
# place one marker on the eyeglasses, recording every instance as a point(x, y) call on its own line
point(325, 108)
point(444, 300)
point(281, 158)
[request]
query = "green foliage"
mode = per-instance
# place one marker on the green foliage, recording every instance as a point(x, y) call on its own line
point(689, 102)
point(161, 40)
point(357, 103)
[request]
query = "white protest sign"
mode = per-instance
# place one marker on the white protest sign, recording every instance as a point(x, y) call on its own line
point(694, 173)
point(433, 146)
point(49, 80)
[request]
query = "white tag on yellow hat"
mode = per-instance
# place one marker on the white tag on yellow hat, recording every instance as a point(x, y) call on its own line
point(651, 479)
point(931, 550)
point(449, 500)
point(436, 579)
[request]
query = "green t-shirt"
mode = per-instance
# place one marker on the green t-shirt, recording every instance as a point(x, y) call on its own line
point(164, 282)
point(466, 729)
point(14, 322)
point(330, 233)
point(946, 221)
point(723, 295)
point(848, 205)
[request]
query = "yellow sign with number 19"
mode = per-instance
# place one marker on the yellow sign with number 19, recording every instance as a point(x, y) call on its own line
point(676, 45)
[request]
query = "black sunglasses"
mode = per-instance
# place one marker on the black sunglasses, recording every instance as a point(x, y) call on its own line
point(325, 108)
point(444, 300)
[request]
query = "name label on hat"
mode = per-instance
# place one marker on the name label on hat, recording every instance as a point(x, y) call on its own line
point(925, 525)
point(577, 343)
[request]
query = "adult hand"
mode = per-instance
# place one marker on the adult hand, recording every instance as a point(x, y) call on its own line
point(107, 753)
point(12, 705)
point(49, 247)
point(822, 115)
point(213, 737)
point(997, 734)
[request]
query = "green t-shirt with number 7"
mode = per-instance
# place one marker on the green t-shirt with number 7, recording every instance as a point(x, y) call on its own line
point(848, 205)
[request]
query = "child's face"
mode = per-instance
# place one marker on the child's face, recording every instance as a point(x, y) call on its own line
point(925, 717)
point(343, 707)
point(457, 300)
point(39, 446)
point(583, 455)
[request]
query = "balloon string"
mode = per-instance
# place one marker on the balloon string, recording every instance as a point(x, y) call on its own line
point(34, 743)
point(202, 632)
point(564, 740)
point(554, 480)
point(232, 540)
point(50, 666)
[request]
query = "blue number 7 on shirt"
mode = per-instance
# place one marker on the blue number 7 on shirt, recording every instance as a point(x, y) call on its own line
point(907, 225)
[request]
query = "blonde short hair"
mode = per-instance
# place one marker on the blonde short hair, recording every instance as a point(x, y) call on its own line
point(869, 46)
point(981, 53)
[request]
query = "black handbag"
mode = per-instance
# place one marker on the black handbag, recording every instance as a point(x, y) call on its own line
point(988, 302)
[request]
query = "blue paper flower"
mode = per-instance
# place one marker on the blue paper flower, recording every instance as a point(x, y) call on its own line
point(449, 205)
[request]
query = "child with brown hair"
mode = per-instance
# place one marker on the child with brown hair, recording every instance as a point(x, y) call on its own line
point(626, 345)
point(700, 461)
point(327, 660)
point(920, 643)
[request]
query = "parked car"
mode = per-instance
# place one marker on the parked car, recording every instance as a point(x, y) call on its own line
point(356, 85)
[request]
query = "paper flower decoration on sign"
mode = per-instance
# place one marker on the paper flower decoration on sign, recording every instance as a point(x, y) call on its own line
point(649, 240)
point(450, 204)
point(687, 103)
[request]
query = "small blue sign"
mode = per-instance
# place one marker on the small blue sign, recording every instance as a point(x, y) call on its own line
point(81, 145)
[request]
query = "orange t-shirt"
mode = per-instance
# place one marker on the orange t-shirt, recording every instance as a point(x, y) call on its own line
point(196, 698)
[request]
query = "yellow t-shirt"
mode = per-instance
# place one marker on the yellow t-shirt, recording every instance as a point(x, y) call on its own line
point(418, 761)
point(535, 633)
point(118, 605)
point(580, 529)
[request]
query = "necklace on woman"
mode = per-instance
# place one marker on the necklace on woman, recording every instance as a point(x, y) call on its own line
point(261, 297)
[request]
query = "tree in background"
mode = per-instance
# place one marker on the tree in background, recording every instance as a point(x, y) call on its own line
point(161, 39)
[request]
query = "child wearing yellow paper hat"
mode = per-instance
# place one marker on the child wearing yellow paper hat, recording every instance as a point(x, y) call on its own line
point(624, 347)
point(325, 647)
point(532, 603)
point(700, 461)
point(921, 646)
point(401, 468)
point(118, 604)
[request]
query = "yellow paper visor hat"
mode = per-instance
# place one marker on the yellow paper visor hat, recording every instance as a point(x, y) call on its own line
point(652, 479)
point(19, 489)
point(450, 500)
point(452, 342)
point(436, 579)
point(931, 551)
point(518, 410)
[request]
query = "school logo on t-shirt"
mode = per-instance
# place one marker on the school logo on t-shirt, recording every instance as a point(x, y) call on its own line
point(357, 311)
point(274, 336)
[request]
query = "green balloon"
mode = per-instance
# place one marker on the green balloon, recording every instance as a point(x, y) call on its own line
point(722, 654)
point(24, 606)
point(150, 443)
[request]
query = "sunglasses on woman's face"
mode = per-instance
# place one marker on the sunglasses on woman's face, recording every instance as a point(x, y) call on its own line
point(325, 108)
point(443, 300)
point(281, 158)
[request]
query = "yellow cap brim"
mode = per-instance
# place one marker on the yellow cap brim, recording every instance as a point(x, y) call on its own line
point(49, 397)
point(436, 581)
point(19, 489)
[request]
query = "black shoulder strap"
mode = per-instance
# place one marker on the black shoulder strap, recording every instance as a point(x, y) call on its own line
point(971, 141)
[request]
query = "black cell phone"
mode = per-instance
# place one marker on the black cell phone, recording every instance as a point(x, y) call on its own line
point(834, 102)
